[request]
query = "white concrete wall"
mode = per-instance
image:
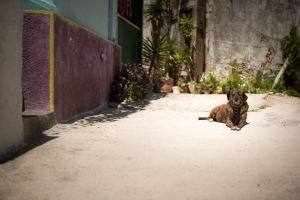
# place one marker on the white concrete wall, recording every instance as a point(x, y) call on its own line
point(11, 125)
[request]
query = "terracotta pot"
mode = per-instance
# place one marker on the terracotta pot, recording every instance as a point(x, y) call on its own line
point(167, 88)
point(186, 90)
point(206, 91)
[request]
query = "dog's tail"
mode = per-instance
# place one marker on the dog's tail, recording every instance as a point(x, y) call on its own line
point(203, 118)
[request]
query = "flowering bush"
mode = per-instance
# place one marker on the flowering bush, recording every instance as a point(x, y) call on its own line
point(132, 83)
point(208, 82)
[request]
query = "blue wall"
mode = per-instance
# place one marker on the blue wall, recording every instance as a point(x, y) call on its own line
point(99, 16)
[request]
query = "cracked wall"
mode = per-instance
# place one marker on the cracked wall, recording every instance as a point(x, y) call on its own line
point(247, 31)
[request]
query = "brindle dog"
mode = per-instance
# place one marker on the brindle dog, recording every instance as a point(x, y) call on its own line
point(234, 113)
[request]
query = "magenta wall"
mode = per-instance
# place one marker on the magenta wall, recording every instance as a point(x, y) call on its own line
point(81, 78)
point(36, 64)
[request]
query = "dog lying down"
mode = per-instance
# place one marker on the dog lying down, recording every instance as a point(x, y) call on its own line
point(234, 113)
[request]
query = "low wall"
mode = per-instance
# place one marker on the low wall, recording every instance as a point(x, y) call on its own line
point(67, 68)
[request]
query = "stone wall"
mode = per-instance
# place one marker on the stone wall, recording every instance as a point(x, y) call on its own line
point(247, 31)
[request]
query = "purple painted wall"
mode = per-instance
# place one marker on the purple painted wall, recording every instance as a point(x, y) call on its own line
point(35, 72)
point(82, 78)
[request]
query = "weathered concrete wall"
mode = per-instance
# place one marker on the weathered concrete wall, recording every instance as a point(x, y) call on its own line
point(82, 77)
point(36, 61)
point(11, 127)
point(236, 29)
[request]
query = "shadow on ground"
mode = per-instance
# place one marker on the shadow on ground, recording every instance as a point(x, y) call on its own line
point(114, 112)
point(26, 146)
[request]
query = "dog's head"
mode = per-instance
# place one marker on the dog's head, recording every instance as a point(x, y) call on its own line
point(236, 98)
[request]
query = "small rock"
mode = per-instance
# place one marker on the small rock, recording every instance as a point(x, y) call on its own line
point(271, 93)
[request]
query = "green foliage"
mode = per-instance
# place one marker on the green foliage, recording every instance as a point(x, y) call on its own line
point(291, 49)
point(157, 13)
point(207, 82)
point(183, 82)
point(234, 79)
point(292, 92)
point(132, 83)
point(280, 86)
point(156, 80)
point(186, 25)
point(260, 84)
point(257, 82)
point(263, 84)
point(154, 50)
point(170, 52)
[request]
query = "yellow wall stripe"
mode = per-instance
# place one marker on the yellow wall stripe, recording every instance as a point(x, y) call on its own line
point(51, 82)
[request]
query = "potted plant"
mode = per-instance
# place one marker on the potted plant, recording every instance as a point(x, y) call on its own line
point(183, 84)
point(208, 83)
point(167, 84)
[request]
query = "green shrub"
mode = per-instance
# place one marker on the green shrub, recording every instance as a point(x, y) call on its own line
point(292, 92)
point(291, 50)
point(257, 82)
point(156, 80)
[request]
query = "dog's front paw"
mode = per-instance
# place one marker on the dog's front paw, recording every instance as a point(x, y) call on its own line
point(235, 128)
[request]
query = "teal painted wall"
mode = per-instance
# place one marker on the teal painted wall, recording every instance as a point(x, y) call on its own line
point(99, 16)
point(39, 5)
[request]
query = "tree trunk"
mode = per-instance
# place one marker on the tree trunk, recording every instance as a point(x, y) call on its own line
point(280, 72)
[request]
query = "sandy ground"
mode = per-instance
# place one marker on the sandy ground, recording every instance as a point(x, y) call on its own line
point(148, 151)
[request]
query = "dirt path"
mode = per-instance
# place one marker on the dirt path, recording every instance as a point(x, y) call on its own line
point(162, 154)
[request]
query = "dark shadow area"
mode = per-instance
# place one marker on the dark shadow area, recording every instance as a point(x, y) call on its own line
point(26, 146)
point(115, 111)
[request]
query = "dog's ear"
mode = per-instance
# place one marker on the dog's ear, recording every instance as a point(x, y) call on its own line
point(228, 94)
point(245, 97)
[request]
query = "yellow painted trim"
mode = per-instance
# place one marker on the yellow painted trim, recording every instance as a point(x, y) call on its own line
point(39, 11)
point(51, 82)
point(128, 22)
point(74, 23)
point(52, 14)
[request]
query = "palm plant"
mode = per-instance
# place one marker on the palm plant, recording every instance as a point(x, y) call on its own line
point(186, 25)
point(157, 14)
point(154, 51)
point(172, 61)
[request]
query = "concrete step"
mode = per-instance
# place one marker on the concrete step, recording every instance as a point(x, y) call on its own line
point(36, 122)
